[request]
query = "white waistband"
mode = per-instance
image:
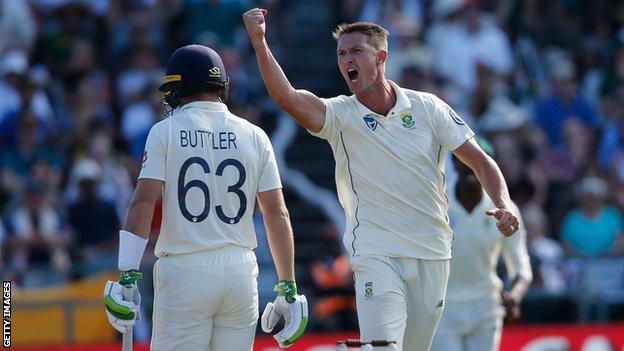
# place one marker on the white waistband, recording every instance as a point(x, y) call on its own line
point(221, 257)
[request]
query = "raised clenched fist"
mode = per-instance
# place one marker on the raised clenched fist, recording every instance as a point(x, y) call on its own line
point(255, 23)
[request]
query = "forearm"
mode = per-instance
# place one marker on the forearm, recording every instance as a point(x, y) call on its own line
point(519, 287)
point(139, 218)
point(134, 237)
point(280, 237)
point(492, 180)
point(275, 80)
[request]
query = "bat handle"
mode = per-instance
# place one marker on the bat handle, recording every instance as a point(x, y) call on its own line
point(126, 338)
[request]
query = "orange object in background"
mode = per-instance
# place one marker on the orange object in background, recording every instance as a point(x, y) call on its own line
point(71, 313)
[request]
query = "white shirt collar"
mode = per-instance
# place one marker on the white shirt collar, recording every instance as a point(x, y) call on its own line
point(402, 102)
point(208, 105)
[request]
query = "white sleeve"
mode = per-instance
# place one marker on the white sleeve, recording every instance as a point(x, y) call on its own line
point(332, 116)
point(515, 253)
point(155, 156)
point(450, 130)
point(269, 174)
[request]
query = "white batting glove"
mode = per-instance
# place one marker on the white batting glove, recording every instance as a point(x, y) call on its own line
point(123, 300)
point(290, 306)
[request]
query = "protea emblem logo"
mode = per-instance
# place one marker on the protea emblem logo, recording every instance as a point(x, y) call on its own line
point(215, 71)
point(368, 289)
point(408, 120)
point(370, 122)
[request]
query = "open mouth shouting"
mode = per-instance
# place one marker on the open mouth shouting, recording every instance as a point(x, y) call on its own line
point(353, 74)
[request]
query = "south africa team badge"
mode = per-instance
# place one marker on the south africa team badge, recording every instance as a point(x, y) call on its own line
point(368, 289)
point(408, 120)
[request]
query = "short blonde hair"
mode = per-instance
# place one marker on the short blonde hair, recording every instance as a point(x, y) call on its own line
point(377, 35)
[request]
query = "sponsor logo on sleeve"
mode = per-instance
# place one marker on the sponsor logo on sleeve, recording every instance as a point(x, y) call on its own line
point(456, 118)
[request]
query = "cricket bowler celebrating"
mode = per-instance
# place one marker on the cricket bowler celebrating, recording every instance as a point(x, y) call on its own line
point(209, 166)
point(473, 316)
point(388, 143)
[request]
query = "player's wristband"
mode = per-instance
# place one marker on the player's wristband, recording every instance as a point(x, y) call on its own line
point(131, 248)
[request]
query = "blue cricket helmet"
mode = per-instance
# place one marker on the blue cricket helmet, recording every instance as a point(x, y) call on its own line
point(190, 69)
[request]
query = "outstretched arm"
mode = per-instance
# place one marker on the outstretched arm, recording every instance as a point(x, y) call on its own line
point(492, 180)
point(307, 109)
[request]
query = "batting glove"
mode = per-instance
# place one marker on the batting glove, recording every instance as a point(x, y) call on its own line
point(290, 306)
point(123, 300)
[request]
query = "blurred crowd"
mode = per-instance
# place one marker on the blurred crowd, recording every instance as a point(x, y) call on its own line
point(543, 80)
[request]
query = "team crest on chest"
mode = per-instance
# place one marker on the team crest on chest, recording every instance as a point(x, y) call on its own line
point(370, 122)
point(408, 120)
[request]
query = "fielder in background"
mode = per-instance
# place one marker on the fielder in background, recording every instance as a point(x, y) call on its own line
point(388, 143)
point(475, 307)
point(210, 166)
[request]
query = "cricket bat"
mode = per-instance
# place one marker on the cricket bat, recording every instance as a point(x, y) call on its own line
point(126, 338)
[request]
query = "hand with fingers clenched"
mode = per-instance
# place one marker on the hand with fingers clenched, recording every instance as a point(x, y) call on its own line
point(255, 23)
point(507, 222)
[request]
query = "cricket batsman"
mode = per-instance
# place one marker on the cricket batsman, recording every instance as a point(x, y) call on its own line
point(210, 166)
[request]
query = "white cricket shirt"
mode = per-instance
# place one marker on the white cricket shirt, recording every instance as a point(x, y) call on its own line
point(213, 164)
point(477, 247)
point(390, 173)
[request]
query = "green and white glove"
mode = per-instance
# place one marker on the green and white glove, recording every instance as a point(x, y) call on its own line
point(292, 307)
point(123, 300)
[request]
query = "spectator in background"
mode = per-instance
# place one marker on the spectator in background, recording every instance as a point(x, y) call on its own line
point(67, 24)
point(219, 17)
point(115, 184)
point(17, 162)
point(593, 228)
point(403, 18)
point(139, 75)
point(138, 118)
point(418, 77)
point(135, 25)
point(611, 144)
point(463, 37)
point(38, 238)
point(21, 87)
point(565, 101)
point(331, 273)
point(545, 252)
point(517, 169)
point(94, 221)
point(86, 93)
point(17, 26)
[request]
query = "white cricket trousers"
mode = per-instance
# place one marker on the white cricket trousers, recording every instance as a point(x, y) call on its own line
point(205, 301)
point(399, 299)
point(472, 325)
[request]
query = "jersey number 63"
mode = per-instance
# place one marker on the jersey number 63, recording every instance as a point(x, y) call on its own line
point(183, 188)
